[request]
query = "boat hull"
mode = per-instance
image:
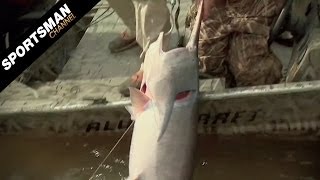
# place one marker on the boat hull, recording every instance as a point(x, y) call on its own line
point(69, 108)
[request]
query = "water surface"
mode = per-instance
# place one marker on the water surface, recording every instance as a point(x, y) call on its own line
point(222, 158)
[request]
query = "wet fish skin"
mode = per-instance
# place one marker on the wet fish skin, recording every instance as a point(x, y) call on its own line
point(165, 112)
point(171, 157)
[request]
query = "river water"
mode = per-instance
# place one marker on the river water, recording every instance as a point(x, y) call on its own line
point(222, 158)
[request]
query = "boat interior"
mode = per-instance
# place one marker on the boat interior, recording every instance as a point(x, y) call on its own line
point(73, 88)
point(79, 71)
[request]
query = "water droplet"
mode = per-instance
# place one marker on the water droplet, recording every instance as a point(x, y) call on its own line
point(120, 161)
point(96, 153)
point(204, 163)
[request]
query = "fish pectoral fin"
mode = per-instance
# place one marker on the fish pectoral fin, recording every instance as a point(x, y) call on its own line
point(165, 111)
point(138, 100)
point(130, 110)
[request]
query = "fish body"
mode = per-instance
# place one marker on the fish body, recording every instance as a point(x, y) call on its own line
point(171, 157)
point(165, 112)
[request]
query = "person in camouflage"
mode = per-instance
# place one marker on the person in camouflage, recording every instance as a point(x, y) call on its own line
point(233, 41)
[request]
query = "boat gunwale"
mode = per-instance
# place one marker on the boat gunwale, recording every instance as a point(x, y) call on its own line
point(78, 105)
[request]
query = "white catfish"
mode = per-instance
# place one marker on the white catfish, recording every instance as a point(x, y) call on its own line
point(165, 112)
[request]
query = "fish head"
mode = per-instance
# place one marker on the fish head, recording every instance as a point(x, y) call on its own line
point(168, 74)
point(169, 77)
